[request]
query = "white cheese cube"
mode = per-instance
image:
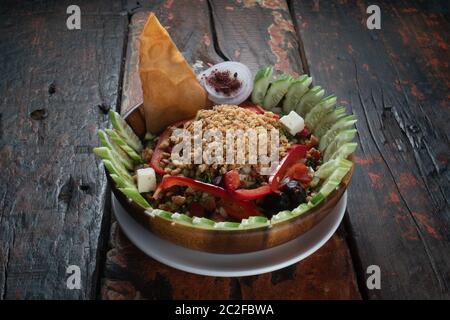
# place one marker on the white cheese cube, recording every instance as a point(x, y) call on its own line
point(146, 180)
point(293, 123)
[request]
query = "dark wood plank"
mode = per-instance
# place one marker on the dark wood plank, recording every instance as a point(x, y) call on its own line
point(52, 188)
point(129, 273)
point(258, 33)
point(397, 82)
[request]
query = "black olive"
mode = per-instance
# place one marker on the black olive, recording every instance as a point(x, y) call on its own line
point(295, 192)
point(275, 202)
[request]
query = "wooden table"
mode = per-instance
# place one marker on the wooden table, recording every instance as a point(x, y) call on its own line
point(56, 85)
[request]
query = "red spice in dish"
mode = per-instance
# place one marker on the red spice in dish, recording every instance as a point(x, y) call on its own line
point(224, 81)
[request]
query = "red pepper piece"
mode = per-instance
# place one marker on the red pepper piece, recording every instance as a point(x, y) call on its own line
point(157, 153)
point(233, 207)
point(232, 183)
point(252, 194)
point(295, 153)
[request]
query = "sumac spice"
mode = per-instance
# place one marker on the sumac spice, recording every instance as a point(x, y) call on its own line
point(224, 81)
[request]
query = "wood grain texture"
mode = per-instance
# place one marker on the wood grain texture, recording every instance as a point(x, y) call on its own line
point(396, 80)
point(52, 188)
point(129, 273)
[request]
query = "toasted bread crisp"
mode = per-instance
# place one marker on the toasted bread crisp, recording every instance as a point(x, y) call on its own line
point(170, 87)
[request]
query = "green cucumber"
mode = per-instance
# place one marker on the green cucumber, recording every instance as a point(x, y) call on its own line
point(316, 199)
point(163, 214)
point(125, 131)
point(134, 195)
point(329, 167)
point(344, 151)
point(343, 124)
point(181, 217)
point(254, 221)
point(117, 139)
point(113, 170)
point(327, 122)
point(203, 222)
point(342, 138)
point(302, 208)
point(116, 150)
point(332, 182)
point(319, 111)
point(106, 154)
point(281, 216)
point(260, 84)
point(227, 225)
point(276, 91)
point(309, 100)
point(296, 91)
point(121, 182)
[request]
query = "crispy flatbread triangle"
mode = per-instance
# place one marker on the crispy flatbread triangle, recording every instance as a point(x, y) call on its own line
point(170, 87)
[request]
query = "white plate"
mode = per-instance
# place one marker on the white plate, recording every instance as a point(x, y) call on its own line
point(230, 265)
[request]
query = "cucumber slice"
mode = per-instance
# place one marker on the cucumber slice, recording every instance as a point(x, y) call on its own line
point(113, 170)
point(281, 216)
point(343, 124)
point(296, 91)
point(260, 84)
point(342, 138)
point(344, 151)
point(116, 150)
point(329, 167)
point(120, 181)
point(301, 209)
point(318, 198)
point(327, 122)
point(163, 214)
point(254, 221)
point(309, 100)
point(203, 222)
point(125, 131)
point(106, 154)
point(134, 195)
point(227, 225)
point(182, 218)
point(319, 111)
point(333, 181)
point(277, 90)
point(117, 139)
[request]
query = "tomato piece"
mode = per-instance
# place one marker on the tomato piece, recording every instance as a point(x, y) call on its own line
point(304, 133)
point(299, 172)
point(232, 180)
point(295, 154)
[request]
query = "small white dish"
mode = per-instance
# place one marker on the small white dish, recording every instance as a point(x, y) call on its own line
point(230, 265)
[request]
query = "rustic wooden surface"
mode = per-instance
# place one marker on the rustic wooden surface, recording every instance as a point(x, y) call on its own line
point(329, 272)
point(53, 194)
point(52, 188)
point(396, 80)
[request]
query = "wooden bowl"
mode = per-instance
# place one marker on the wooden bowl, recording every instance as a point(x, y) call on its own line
point(230, 240)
